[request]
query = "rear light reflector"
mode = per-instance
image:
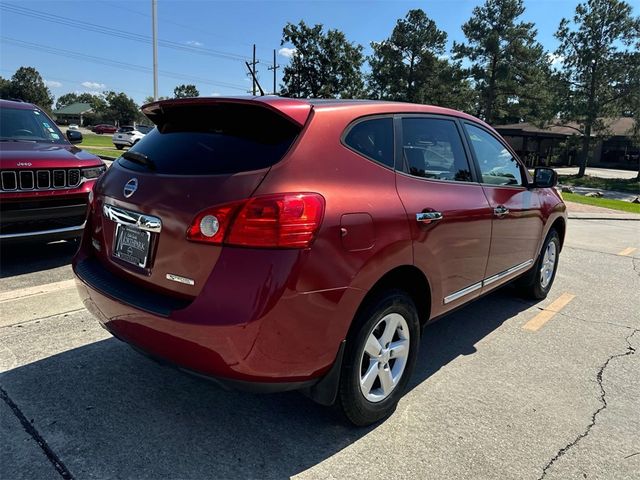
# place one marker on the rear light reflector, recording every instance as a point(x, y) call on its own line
point(289, 220)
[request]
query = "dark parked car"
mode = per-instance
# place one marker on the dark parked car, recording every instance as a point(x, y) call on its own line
point(44, 180)
point(104, 128)
point(276, 244)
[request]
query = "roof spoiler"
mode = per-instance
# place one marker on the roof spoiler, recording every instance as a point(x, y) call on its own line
point(294, 110)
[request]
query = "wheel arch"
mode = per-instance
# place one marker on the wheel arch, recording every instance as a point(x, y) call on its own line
point(560, 226)
point(408, 278)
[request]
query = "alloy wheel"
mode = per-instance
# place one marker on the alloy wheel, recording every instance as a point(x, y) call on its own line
point(384, 357)
point(548, 265)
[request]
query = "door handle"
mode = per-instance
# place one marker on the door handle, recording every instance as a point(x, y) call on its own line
point(428, 217)
point(500, 211)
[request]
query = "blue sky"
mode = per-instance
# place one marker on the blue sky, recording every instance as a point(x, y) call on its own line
point(42, 33)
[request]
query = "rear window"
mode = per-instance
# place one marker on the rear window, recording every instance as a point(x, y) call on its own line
point(214, 140)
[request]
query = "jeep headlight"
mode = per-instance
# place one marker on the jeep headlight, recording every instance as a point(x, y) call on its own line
point(93, 172)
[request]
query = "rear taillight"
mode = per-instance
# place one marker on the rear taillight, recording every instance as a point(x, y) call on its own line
point(289, 220)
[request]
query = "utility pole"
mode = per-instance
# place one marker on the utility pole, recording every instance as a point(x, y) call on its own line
point(253, 70)
point(154, 21)
point(274, 68)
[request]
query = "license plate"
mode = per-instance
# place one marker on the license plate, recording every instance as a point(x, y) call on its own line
point(132, 245)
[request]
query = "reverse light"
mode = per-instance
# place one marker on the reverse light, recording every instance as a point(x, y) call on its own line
point(289, 220)
point(209, 225)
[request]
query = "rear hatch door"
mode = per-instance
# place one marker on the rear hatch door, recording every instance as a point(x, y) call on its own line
point(200, 155)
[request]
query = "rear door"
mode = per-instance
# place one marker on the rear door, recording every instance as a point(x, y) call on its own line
point(200, 156)
point(447, 211)
point(517, 221)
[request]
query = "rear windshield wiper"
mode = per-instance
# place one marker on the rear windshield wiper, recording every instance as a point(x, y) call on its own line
point(139, 158)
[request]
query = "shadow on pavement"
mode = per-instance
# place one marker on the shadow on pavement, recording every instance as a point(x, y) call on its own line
point(28, 257)
point(109, 412)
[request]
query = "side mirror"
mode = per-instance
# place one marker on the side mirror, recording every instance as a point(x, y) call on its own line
point(544, 177)
point(74, 136)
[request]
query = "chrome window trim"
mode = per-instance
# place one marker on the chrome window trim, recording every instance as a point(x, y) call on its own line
point(148, 223)
point(43, 232)
point(487, 281)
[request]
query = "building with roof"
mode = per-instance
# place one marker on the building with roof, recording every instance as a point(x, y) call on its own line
point(559, 144)
point(73, 113)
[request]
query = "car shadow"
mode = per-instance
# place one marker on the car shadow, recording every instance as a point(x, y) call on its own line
point(109, 412)
point(29, 257)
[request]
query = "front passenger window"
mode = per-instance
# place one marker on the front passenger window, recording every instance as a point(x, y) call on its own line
point(497, 165)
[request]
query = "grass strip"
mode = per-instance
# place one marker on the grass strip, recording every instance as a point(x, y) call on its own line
point(603, 202)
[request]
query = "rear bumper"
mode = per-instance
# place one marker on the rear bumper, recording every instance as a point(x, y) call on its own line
point(241, 341)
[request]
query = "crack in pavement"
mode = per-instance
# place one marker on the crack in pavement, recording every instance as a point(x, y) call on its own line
point(33, 433)
point(636, 265)
point(629, 351)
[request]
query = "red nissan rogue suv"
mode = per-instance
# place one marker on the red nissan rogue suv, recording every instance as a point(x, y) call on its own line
point(44, 180)
point(275, 244)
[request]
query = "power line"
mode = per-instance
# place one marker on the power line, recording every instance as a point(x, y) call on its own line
point(191, 28)
point(113, 32)
point(112, 63)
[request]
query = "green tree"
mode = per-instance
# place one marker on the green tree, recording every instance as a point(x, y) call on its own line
point(4, 87)
point(150, 99)
point(323, 65)
point(599, 51)
point(27, 85)
point(97, 101)
point(185, 91)
point(508, 66)
point(409, 66)
point(403, 64)
point(121, 108)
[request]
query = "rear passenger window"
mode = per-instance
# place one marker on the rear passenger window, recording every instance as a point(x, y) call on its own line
point(373, 139)
point(497, 165)
point(432, 148)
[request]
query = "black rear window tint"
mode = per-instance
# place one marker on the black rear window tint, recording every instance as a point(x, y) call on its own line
point(373, 139)
point(215, 140)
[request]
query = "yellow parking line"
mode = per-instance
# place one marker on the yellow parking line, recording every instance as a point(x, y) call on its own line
point(627, 251)
point(537, 322)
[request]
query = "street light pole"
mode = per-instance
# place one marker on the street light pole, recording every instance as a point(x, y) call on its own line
point(154, 20)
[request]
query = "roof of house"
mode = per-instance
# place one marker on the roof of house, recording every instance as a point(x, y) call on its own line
point(74, 109)
point(617, 126)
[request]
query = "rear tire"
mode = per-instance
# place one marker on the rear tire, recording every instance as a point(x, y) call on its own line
point(538, 281)
point(379, 359)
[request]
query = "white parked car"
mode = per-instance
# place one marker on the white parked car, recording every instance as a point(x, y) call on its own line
point(73, 126)
point(128, 136)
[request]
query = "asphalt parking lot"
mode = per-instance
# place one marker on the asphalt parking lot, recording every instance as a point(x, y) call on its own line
point(504, 389)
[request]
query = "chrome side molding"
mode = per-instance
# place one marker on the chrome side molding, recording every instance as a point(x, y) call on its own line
point(506, 273)
point(463, 292)
point(487, 281)
point(127, 217)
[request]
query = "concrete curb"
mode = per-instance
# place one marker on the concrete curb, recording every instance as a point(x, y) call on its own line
point(604, 216)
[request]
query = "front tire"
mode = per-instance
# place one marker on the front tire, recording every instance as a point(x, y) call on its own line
point(379, 358)
point(537, 283)
point(119, 147)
